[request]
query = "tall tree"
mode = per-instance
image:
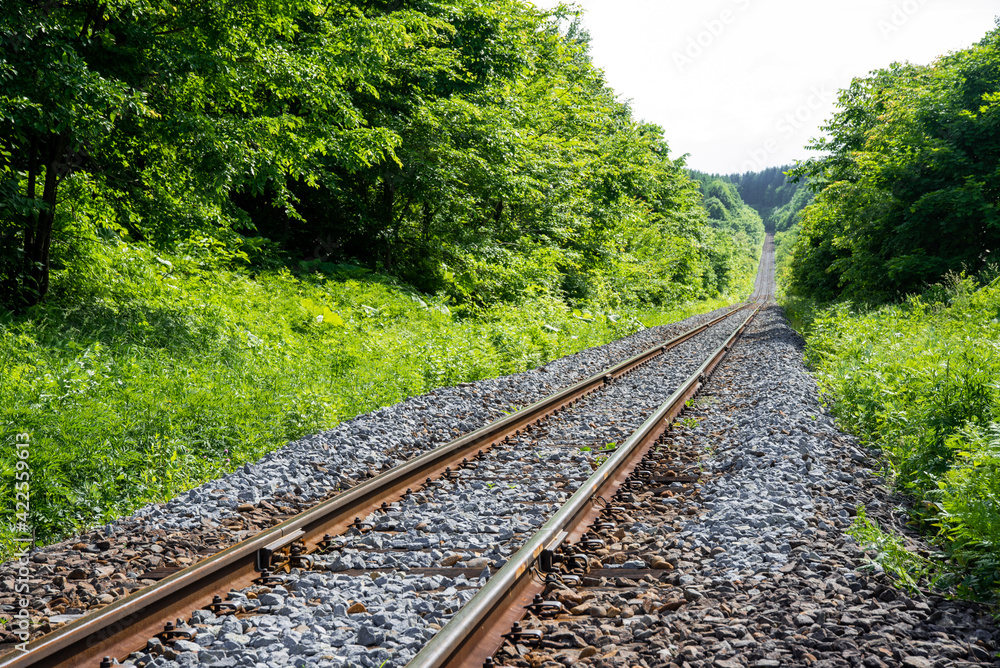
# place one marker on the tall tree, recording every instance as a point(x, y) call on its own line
point(172, 105)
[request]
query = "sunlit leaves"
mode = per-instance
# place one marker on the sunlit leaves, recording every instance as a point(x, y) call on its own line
point(472, 135)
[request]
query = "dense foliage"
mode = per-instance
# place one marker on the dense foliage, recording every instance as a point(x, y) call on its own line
point(909, 187)
point(765, 190)
point(470, 148)
point(786, 217)
point(727, 210)
point(921, 381)
point(778, 199)
point(905, 216)
point(736, 231)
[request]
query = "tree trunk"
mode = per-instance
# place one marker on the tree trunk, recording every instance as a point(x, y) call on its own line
point(428, 218)
point(38, 228)
point(388, 217)
point(33, 168)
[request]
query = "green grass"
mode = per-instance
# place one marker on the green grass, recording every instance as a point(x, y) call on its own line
point(887, 551)
point(921, 381)
point(152, 374)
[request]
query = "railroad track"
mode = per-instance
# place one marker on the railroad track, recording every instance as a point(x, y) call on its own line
point(764, 284)
point(124, 627)
point(571, 531)
point(557, 555)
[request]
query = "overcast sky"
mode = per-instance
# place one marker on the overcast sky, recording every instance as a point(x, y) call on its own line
point(744, 84)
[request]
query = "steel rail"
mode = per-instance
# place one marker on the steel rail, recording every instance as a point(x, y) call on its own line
point(764, 282)
point(124, 626)
point(474, 633)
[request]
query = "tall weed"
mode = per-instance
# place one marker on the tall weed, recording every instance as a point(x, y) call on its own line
point(921, 380)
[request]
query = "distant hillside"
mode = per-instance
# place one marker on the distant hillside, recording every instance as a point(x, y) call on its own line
point(777, 200)
point(737, 230)
point(726, 209)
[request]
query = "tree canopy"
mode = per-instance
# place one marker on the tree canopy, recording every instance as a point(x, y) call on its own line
point(909, 180)
point(776, 197)
point(470, 148)
point(737, 230)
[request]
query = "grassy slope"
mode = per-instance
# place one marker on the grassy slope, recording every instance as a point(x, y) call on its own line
point(155, 374)
point(921, 381)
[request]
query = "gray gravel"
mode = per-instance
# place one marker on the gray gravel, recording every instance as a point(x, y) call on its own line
point(774, 466)
point(472, 522)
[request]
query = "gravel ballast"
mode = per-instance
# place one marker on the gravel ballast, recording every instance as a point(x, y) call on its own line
point(751, 566)
point(467, 526)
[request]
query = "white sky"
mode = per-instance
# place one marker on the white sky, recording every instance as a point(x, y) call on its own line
point(744, 84)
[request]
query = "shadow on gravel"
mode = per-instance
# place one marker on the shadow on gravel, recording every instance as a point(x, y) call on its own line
point(778, 329)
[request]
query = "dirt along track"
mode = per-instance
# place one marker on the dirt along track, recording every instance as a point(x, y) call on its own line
point(732, 553)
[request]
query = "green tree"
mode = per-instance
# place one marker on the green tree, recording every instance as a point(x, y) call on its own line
point(468, 147)
point(736, 230)
point(909, 185)
point(61, 93)
point(171, 106)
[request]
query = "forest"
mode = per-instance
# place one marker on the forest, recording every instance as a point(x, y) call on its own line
point(470, 149)
point(728, 213)
point(227, 225)
point(908, 181)
point(776, 196)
